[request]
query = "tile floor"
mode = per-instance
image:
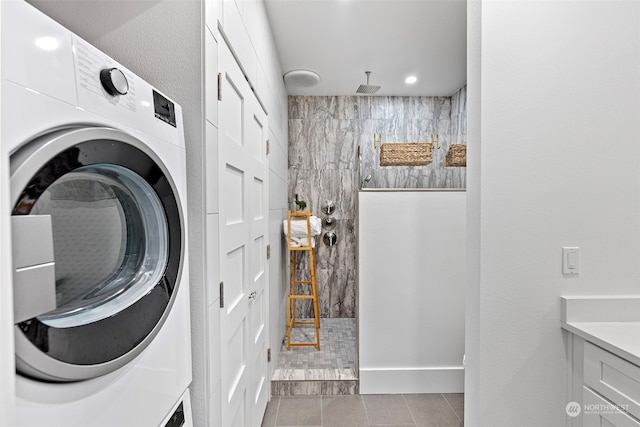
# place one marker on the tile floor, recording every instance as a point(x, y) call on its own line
point(307, 371)
point(337, 346)
point(392, 410)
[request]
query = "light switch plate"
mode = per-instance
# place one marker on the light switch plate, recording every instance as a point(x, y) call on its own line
point(570, 261)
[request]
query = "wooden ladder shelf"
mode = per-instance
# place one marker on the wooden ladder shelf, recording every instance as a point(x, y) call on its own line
point(294, 296)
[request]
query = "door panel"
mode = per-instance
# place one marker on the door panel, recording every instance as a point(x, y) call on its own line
point(232, 190)
point(243, 239)
point(256, 137)
point(258, 206)
point(258, 234)
point(231, 115)
point(240, 413)
point(235, 280)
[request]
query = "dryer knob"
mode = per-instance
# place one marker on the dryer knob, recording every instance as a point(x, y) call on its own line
point(114, 81)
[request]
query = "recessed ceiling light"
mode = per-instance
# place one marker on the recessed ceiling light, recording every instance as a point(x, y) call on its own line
point(411, 80)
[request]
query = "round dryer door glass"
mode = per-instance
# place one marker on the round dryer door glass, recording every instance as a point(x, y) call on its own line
point(115, 232)
point(110, 238)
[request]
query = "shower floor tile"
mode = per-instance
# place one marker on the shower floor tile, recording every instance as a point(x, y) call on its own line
point(305, 371)
point(337, 348)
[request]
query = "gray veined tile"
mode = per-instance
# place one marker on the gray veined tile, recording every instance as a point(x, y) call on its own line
point(343, 411)
point(387, 409)
point(289, 375)
point(331, 371)
point(299, 411)
point(269, 419)
point(324, 133)
point(456, 401)
point(431, 409)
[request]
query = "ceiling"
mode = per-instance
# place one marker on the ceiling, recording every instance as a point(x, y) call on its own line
point(341, 39)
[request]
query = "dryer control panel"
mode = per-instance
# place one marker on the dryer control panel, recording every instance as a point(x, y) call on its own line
point(109, 89)
point(164, 109)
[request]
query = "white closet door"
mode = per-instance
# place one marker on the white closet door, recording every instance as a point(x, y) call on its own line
point(243, 241)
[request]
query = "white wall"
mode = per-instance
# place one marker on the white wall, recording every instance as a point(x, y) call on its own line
point(7, 364)
point(472, 306)
point(412, 257)
point(554, 131)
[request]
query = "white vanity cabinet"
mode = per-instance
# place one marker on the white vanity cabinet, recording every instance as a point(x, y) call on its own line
point(604, 361)
point(612, 377)
point(610, 390)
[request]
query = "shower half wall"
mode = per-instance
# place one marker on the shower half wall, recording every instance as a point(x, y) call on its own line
point(324, 135)
point(412, 291)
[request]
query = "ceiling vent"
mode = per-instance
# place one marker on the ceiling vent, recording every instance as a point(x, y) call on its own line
point(301, 78)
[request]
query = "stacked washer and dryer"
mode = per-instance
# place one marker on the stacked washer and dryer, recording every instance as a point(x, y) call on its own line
point(99, 239)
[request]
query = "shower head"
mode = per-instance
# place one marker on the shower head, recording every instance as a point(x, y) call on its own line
point(365, 180)
point(367, 88)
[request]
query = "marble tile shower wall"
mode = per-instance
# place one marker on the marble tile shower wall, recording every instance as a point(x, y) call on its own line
point(459, 133)
point(324, 135)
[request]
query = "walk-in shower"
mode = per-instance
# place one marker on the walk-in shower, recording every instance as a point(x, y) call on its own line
point(334, 154)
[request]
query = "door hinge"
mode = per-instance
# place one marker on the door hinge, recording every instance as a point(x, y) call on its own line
point(268, 146)
point(268, 251)
point(268, 355)
point(219, 86)
point(221, 294)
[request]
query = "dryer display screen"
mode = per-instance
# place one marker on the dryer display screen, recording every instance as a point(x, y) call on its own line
point(164, 109)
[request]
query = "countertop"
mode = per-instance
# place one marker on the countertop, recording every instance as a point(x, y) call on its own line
point(610, 322)
point(619, 338)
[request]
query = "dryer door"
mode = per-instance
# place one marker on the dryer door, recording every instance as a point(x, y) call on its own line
point(98, 243)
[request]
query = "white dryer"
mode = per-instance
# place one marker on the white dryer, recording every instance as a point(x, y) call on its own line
point(98, 194)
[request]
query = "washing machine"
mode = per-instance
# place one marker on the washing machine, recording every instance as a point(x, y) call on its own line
point(99, 237)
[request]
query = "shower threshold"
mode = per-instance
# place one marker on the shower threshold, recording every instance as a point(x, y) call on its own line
point(330, 371)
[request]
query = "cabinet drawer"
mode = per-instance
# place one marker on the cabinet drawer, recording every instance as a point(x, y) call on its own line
point(612, 377)
point(598, 412)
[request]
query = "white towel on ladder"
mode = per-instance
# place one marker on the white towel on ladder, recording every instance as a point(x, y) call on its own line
point(299, 230)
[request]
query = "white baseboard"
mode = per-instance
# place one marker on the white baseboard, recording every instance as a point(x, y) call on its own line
point(412, 380)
